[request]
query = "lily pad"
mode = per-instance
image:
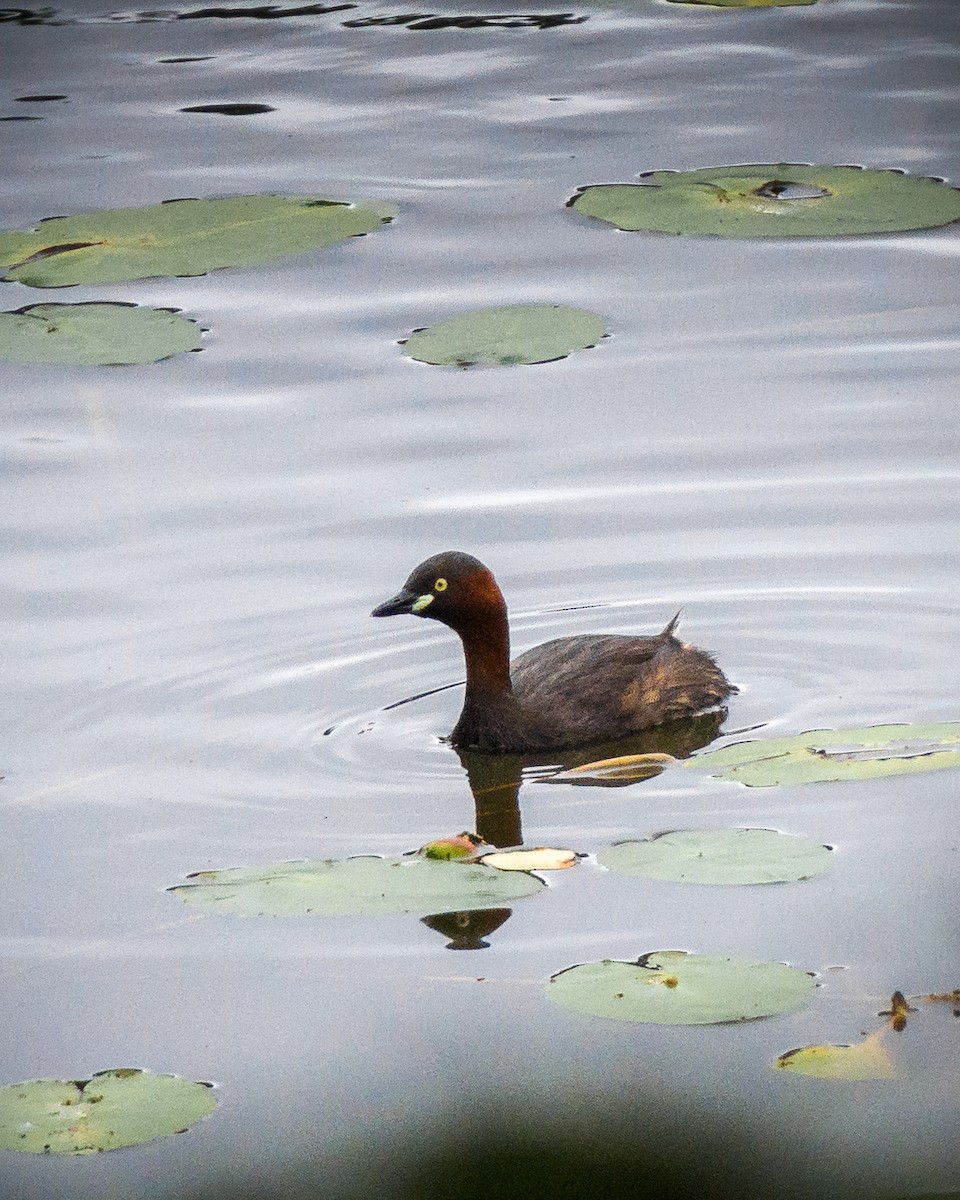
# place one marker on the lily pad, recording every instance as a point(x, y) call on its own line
point(121, 1107)
point(540, 858)
point(826, 755)
point(670, 987)
point(719, 856)
point(353, 887)
point(869, 1059)
point(517, 333)
point(180, 237)
point(772, 200)
point(97, 334)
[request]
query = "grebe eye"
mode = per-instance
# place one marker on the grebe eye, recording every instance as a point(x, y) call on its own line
point(440, 585)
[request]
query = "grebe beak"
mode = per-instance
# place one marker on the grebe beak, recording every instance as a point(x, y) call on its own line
point(403, 602)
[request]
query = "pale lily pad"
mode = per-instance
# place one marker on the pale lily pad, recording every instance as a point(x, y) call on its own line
point(96, 334)
point(823, 755)
point(354, 887)
point(540, 858)
point(180, 237)
point(121, 1107)
point(869, 1059)
point(772, 200)
point(517, 333)
point(719, 856)
point(669, 987)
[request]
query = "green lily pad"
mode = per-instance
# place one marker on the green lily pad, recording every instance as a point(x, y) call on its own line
point(516, 333)
point(354, 887)
point(827, 755)
point(122, 1107)
point(96, 334)
point(772, 200)
point(869, 1059)
point(180, 237)
point(719, 856)
point(669, 987)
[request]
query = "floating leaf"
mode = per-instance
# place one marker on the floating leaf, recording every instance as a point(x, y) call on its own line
point(720, 856)
point(180, 237)
point(96, 334)
point(834, 754)
point(772, 200)
point(628, 768)
point(362, 886)
point(670, 987)
point(868, 1059)
point(542, 858)
point(518, 333)
point(121, 1107)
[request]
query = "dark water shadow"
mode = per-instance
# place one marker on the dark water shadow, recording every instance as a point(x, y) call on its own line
point(495, 779)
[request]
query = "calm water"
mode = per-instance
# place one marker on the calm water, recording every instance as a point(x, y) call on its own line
point(768, 439)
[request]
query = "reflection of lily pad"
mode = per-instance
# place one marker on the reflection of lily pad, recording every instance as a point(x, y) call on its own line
point(123, 1107)
point(669, 987)
point(868, 1059)
point(772, 200)
point(180, 237)
point(721, 856)
point(835, 754)
point(517, 333)
point(348, 887)
point(94, 334)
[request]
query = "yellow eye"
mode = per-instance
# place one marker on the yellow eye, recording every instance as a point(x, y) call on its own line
point(440, 585)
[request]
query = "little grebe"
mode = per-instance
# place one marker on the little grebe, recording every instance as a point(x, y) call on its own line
point(568, 692)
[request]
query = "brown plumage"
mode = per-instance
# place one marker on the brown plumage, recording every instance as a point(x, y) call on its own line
point(568, 692)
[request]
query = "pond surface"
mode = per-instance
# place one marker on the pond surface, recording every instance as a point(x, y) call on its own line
point(768, 439)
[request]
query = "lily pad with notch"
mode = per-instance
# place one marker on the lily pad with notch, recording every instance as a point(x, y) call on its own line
point(719, 856)
point(364, 886)
point(772, 200)
point(831, 755)
point(671, 987)
point(180, 238)
point(508, 336)
point(95, 334)
point(121, 1107)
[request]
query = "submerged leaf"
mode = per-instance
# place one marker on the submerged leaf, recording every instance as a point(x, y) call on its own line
point(772, 200)
point(518, 333)
point(349, 887)
point(122, 1107)
point(746, 3)
point(628, 768)
point(670, 987)
point(95, 334)
point(869, 1059)
point(180, 237)
point(823, 755)
point(719, 856)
